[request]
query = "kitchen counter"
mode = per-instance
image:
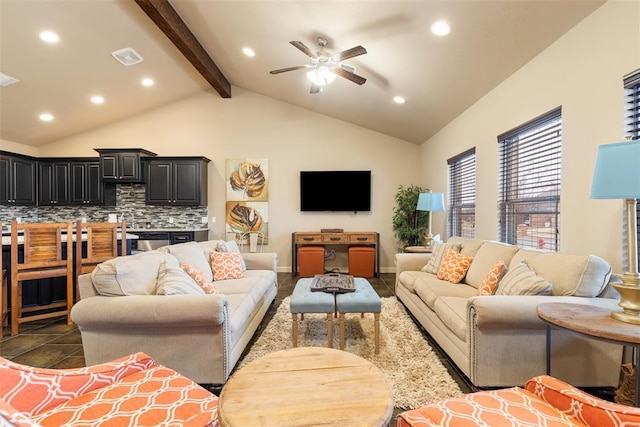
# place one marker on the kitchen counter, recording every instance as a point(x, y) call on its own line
point(160, 230)
point(6, 240)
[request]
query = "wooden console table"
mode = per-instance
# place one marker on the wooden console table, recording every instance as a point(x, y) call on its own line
point(358, 238)
point(592, 322)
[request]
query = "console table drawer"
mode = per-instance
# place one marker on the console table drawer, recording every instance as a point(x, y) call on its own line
point(307, 238)
point(336, 238)
point(364, 238)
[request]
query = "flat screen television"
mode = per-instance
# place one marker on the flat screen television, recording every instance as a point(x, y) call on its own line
point(337, 191)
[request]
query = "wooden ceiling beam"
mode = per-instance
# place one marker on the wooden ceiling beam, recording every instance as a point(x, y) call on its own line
point(167, 19)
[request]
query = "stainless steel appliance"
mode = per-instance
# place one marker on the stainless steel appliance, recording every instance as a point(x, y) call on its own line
point(149, 240)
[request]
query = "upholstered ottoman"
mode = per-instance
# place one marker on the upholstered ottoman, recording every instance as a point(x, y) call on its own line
point(363, 300)
point(303, 300)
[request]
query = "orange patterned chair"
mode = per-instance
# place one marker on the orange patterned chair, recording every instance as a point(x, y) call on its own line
point(545, 401)
point(132, 390)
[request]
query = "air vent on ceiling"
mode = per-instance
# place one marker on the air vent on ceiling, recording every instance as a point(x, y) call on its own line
point(348, 68)
point(127, 56)
point(6, 80)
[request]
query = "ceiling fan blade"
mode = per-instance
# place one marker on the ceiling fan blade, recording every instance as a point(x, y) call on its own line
point(349, 53)
point(349, 75)
point(283, 70)
point(304, 49)
point(315, 89)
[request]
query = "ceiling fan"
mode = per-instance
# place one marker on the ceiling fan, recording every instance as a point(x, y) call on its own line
point(323, 67)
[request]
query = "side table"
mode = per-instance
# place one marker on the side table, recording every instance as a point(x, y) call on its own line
point(418, 249)
point(592, 322)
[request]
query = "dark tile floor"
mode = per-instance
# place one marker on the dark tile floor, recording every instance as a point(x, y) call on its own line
point(54, 344)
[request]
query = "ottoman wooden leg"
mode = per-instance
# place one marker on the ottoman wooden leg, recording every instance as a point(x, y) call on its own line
point(330, 330)
point(294, 329)
point(376, 317)
point(341, 330)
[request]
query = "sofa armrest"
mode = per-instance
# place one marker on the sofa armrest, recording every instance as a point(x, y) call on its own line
point(261, 261)
point(509, 312)
point(141, 311)
point(588, 409)
point(34, 390)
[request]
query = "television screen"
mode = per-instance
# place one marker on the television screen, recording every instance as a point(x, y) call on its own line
point(336, 191)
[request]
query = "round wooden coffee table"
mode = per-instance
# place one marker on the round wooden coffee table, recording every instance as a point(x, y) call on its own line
point(306, 386)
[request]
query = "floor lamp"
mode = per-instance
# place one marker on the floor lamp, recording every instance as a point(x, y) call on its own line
point(617, 176)
point(432, 202)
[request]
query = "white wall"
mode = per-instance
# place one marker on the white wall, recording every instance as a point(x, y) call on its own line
point(291, 138)
point(14, 147)
point(582, 72)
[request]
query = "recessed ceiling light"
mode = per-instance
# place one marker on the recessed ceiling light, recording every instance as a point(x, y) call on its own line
point(248, 51)
point(97, 99)
point(147, 82)
point(49, 37)
point(440, 28)
point(46, 117)
point(399, 100)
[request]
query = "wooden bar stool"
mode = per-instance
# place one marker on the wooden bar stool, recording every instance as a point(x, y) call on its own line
point(102, 245)
point(43, 258)
point(4, 305)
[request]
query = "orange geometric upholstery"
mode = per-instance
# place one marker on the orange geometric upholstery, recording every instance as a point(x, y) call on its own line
point(132, 390)
point(545, 401)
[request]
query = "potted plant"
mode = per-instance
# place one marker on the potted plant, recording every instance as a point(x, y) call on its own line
point(409, 225)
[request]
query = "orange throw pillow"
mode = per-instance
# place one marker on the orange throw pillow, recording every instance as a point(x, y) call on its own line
point(491, 279)
point(199, 277)
point(226, 265)
point(454, 266)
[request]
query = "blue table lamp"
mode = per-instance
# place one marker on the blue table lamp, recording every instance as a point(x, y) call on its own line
point(432, 202)
point(617, 176)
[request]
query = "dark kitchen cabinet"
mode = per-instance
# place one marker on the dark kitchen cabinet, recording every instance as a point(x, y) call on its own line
point(19, 185)
point(122, 165)
point(176, 181)
point(86, 183)
point(53, 182)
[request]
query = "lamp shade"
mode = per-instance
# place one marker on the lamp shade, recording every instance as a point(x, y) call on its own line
point(617, 171)
point(433, 202)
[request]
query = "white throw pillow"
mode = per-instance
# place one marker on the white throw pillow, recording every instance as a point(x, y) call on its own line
point(174, 280)
point(522, 280)
point(437, 255)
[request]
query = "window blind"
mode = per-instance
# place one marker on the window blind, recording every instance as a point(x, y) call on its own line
point(529, 176)
point(631, 128)
point(461, 217)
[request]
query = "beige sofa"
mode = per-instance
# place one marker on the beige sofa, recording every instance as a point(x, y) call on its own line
point(498, 340)
point(202, 336)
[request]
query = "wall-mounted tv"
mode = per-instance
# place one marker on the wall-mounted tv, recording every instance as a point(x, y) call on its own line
point(337, 191)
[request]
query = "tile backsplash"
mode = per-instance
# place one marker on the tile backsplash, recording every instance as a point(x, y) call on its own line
point(129, 200)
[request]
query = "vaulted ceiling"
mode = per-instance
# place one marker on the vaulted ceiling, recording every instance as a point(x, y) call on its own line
point(439, 76)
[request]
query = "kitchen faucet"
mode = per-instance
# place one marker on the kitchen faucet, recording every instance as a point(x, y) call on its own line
point(133, 219)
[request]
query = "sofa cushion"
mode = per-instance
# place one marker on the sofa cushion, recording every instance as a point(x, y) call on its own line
point(437, 255)
point(454, 266)
point(200, 279)
point(174, 280)
point(256, 284)
point(486, 258)
point(453, 313)
point(576, 275)
point(193, 254)
point(430, 288)
point(468, 247)
point(522, 280)
point(226, 265)
point(491, 279)
point(130, 275)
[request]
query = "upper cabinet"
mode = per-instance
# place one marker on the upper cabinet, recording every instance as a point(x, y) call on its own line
point(86, 183)
point(18, 175)
point(176, 181)
point(122, 164)
point(53, 182)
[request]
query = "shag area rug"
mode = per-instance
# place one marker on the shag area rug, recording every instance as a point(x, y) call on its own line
point(412, 368)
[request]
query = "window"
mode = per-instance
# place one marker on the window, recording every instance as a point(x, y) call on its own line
point(461, 217)
point(529, 172)
point(631, 128)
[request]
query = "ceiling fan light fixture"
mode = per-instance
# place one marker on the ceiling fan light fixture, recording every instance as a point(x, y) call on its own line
point(321, 75)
